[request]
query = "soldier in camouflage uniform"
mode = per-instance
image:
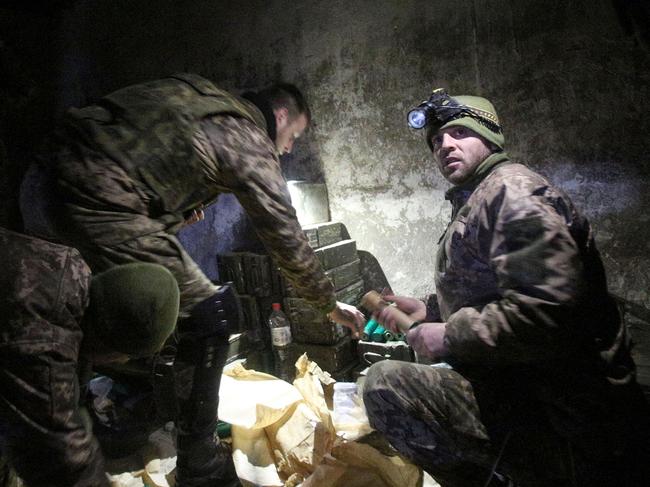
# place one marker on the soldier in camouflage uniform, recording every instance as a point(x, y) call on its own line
point(541, 389)
point(56, 323)
point(130, 169)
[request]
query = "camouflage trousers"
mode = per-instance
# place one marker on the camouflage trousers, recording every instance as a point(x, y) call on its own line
point(44, 435)
point(431, 415)
point(460, 432)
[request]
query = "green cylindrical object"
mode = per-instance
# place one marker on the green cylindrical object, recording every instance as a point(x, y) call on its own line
point(223, 429)
point(399, 337)
point(378, 334)
point(369, 329)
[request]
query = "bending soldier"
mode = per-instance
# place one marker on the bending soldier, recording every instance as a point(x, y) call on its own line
point(129, 170)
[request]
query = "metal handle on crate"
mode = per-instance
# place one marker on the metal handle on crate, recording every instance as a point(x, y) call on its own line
point(374, 357)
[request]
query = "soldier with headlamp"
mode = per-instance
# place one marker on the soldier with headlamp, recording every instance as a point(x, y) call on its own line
point(541, 389)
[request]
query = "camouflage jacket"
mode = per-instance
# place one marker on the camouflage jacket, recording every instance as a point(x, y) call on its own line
point(521, 284)
point(156, 150)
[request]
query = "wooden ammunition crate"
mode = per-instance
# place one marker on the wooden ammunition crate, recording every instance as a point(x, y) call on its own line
point(323, 234)
point(251, 320)
point(345, 274)
point(351, 294)
point(311, 232)
point(231, 269)
point(337, 254)
point(328, 357)
point(299, 311)
point(349, 373)
point(317, 333)
point(330, 233)
point(257, 272)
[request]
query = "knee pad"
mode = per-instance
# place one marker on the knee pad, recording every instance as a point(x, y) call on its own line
point(217, 316)
point(209, 325)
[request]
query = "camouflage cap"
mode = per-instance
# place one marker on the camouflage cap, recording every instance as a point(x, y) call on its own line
point(133, 308)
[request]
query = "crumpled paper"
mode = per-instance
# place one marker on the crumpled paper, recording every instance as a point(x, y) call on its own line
point(283, 435)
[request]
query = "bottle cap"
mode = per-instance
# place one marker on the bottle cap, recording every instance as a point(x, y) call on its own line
point(276, 306)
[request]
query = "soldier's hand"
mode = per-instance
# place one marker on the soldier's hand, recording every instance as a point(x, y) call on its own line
point(350, 316)
point(428, 340)
point(415, 308)
point(196, 215)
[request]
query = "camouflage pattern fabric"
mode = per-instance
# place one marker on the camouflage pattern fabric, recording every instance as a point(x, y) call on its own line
point(430, 416)
point(518, 268)
point(128, 168)
point(44, 294)
point(531, 327)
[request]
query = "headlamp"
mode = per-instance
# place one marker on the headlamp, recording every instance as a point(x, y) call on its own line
point(438, 109)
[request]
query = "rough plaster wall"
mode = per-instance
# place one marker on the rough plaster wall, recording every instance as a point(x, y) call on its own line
point(570, 83)
point(570, 80)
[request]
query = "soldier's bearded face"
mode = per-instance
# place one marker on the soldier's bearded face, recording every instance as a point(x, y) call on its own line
point(458, 152)
point(288, 130)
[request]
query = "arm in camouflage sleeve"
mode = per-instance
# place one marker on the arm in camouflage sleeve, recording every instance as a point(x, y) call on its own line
point(537, 267)
point(249, 168)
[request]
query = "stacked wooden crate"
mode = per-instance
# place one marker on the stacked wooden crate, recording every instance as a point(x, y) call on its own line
point(259, 284)
point(327, 343)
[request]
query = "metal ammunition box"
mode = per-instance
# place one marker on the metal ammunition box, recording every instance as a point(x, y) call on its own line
point(337, 254)
point(328, 357)
point(345, 274)
point(231, 269)
point(371, 352)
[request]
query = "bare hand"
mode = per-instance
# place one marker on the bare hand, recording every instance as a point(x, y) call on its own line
point(414, 308)
point(350, 316)
point(197, 215)
point(428, 340)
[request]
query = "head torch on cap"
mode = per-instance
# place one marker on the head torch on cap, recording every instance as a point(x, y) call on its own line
point(441, 108)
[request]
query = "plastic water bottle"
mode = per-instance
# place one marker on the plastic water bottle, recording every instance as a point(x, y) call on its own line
point(344, 402)
point(281, 342)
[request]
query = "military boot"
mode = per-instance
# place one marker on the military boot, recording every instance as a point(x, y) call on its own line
point(205, 462)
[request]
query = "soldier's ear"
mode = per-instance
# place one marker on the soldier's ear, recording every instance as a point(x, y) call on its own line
point(281, 116)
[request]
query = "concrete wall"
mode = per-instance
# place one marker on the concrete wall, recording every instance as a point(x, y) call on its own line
point(570, 80)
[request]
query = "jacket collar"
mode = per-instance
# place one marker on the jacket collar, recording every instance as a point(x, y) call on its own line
point(265, 107)
point(458, 195)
